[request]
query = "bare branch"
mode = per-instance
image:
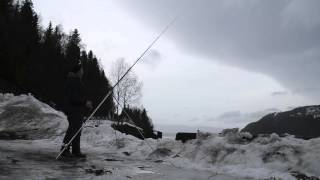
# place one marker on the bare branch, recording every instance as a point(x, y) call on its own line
point(128, 91)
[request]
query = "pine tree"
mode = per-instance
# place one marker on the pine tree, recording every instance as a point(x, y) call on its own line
point(5, 21)
point(27, 33)
point(48, 35)
point(5, 7)
point(29, 24)
point(73, 49)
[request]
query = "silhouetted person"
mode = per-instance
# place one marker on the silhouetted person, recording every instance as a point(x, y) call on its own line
point(75, 108)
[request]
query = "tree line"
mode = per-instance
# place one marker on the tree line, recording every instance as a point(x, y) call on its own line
point(36, 59)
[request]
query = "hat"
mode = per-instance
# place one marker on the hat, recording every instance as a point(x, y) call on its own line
point(76, 68)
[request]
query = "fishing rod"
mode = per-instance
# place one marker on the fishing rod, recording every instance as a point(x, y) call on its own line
point(111, 90)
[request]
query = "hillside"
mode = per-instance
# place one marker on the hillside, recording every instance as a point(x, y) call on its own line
point(303, 122)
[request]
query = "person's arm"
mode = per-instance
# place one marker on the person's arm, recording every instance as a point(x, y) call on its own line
point(89, 105)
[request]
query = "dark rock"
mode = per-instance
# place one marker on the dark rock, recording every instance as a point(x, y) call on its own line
point(183, 136)
point(161, 152)
point(301, 176)
point(159, 161)
point(126, 153)
point(110, 159)
point(98, 172)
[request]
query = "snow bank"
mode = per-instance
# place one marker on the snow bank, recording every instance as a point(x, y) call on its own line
point(233, 153)
point(262, 157)
point(24, 117)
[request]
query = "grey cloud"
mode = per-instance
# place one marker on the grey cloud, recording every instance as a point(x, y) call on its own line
point(279, 93)
point(279, 38)
point(270, 110)
point(259, 114)
point(152, 58)
point(239, 118)
point(306, 90)
point(175, 115)
point(289, 108)
point(194, 119)
point(230, 114)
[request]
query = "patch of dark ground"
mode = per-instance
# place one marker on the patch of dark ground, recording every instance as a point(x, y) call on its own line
point(97, 171)
point(301, 176)
point(21, 162)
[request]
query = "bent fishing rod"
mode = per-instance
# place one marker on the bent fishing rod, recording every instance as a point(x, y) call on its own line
point(111, 90)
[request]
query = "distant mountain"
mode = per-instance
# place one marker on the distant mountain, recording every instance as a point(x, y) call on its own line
point(303, 122)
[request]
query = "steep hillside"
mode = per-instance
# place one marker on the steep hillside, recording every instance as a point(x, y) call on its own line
point(303, 122)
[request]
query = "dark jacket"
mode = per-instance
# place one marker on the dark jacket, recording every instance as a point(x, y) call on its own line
point(74, 95)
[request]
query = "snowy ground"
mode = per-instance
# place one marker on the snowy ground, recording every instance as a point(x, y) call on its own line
point(35, 160)
point(116, 156)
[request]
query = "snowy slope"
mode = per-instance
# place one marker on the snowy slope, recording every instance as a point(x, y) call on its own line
point(24, 117)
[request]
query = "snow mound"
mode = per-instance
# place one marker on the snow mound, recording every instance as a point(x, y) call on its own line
point(231, 152)
point(25, 117)
point(238, 154)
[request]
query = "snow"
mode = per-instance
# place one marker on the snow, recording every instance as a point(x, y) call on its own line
point(232, 153)
point(27, 118)
point(313, 111)
point(116, 156)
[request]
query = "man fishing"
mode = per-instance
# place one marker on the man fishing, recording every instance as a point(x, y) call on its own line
point(75, 108)
point(65, 149)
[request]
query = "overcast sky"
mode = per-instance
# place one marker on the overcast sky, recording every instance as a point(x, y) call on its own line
point(222, 64)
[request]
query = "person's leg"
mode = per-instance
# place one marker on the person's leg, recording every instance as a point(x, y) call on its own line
point(76, 150)
point(67, 136)
point(77, 121)
point(76, 141)
point(66, 139)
